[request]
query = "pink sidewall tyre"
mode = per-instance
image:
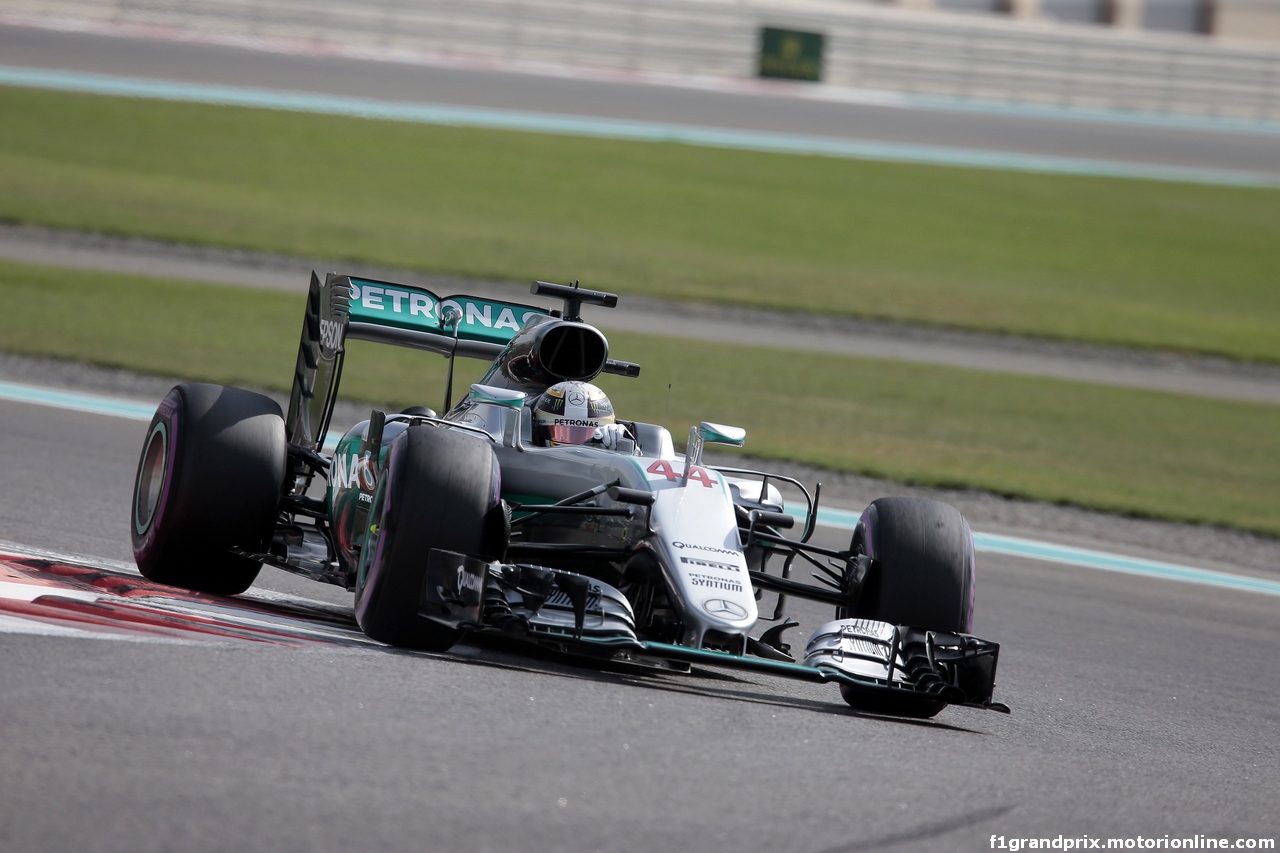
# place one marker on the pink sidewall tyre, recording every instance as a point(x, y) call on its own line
point(209, 480)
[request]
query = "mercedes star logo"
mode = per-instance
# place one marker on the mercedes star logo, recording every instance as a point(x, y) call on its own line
point(724, 609)
point(577, 398)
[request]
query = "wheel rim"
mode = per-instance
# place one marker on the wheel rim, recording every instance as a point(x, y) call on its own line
point(151, 475)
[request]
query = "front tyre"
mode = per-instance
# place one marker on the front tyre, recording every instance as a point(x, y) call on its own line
point(209, 479)
point(439, 489)
point(922, 575)
point(922, 565)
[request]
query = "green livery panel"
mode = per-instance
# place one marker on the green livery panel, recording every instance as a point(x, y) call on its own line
point(417, 309)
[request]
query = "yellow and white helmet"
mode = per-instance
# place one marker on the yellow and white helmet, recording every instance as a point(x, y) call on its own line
point(570, 413)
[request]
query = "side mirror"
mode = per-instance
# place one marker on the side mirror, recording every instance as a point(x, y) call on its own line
point(709, 433)
point(509, 403)
point(494, 396)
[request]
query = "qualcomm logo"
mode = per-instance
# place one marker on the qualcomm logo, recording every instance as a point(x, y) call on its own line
point(683, 545)
point(724, 609)
point(466, 580)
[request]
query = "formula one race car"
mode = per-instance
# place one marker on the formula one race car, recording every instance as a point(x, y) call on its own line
point(444, 524)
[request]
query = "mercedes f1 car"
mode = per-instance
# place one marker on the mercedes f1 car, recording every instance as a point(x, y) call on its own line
point(443, 524)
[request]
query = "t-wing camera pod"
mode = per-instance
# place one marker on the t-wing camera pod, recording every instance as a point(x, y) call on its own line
point(573, 297)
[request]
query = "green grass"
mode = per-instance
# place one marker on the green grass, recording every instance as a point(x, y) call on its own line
point(1135, 452)
point(1132, 262)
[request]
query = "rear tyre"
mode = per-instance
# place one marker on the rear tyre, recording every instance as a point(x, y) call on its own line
point(438, 489)
point(209, 479)
point(922, 575)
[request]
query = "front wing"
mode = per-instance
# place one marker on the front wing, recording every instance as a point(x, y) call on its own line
point(573, 612)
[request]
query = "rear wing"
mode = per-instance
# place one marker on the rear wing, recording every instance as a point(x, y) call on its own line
point(469, 326)
point(354, 308)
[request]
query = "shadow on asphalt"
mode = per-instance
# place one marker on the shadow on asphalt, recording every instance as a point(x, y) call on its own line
point(512, 655)
point(917, 837)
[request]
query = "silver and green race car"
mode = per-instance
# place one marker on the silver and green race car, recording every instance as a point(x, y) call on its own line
point(444, 524)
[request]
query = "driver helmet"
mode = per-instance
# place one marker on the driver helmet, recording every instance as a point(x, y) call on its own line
point(570, 413)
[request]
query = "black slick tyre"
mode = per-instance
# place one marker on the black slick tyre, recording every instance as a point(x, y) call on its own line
point(922, 575)
point(438, 489)
point(209, 479)
point(922, 565)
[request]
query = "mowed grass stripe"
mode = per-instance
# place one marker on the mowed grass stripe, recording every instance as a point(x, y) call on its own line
point(1129, 262)
point(1143, 453)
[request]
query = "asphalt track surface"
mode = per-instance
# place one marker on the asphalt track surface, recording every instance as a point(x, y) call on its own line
point(778, 109)
point(1139, 707)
